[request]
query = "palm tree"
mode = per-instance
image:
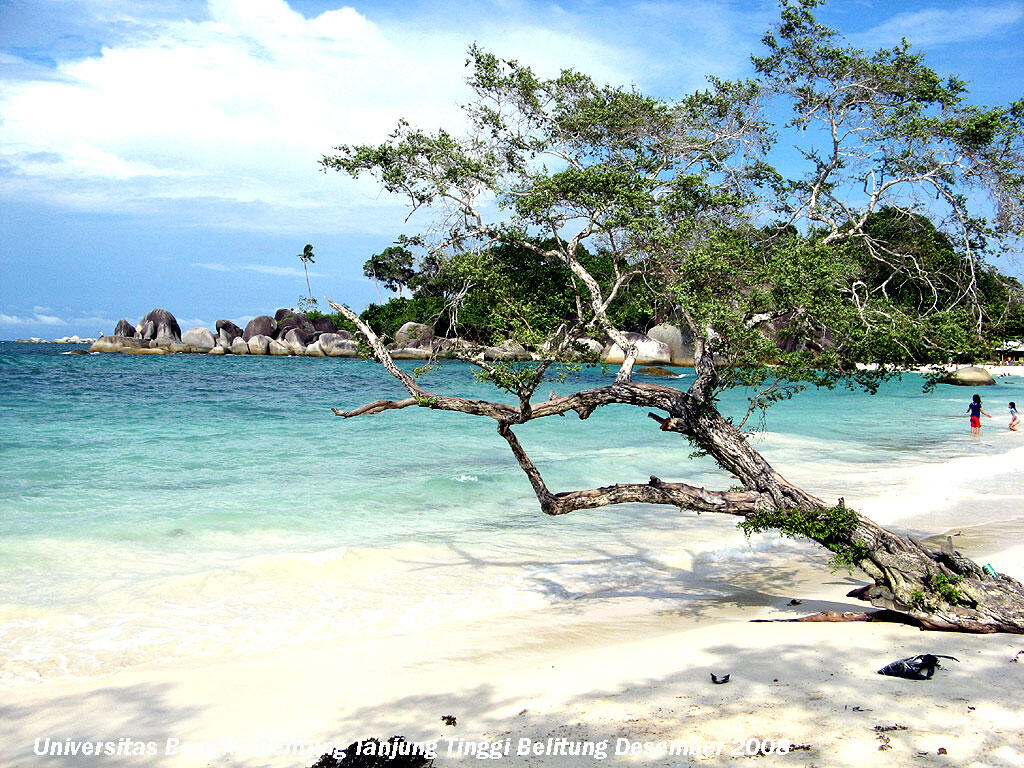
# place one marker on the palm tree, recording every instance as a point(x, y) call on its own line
point(307, 257)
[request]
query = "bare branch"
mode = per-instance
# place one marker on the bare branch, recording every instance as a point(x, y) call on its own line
point(379, 350)
point(377, 406)
point(656, 491)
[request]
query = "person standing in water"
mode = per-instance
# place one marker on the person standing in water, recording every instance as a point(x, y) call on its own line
point(975, 410)
point(1014, 419)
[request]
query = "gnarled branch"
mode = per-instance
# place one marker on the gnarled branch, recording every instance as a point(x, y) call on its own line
point(377, 406)
point(656, 491)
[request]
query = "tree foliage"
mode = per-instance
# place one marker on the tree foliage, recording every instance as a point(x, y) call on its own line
point(393, 267)
point(307, 257)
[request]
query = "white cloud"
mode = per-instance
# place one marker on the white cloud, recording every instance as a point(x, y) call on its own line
point(238, 108)
point(33, 319)
point(938, 26)
point(262, 269)
point(40, 320)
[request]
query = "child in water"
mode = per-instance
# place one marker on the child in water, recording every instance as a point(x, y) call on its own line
point(1014, 420)
point(975, 410)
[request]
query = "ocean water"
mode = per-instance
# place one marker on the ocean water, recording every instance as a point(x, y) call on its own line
point(165, 508)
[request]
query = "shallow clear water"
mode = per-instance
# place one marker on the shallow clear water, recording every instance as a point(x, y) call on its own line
point(159, 507)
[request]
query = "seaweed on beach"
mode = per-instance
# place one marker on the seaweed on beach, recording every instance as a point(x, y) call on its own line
point(396, 752)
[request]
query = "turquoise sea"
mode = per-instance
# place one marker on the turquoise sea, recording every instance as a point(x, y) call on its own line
point(156, 508)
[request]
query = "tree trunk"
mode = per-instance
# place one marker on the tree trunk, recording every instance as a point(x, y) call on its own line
point(939, 589)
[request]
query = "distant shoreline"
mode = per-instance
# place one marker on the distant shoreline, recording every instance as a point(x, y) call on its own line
point(996, 370)
point(64, 340)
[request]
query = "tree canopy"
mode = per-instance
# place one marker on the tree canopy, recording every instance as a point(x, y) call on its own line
point(612, 202)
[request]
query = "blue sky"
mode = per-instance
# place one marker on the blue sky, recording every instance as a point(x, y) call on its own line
point(164, 154)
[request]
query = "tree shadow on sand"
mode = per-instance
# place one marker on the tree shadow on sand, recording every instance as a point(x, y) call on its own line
point(834, 710)
point(137, 712)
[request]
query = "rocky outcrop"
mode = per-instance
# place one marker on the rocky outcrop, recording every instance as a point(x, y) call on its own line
point(199, 338)
point(410, 353)
point(324, 325)
point(293, 333)
point(649, 351)
point(259, 344)
point(275, 347)
point(227, 332)
point(295, 320)
point(678, 341)
point(653, 370)
point(414, 336)
point(507, 351)
point(297, 340)
point(264, 325)
point(300, 336)
point(970, 376)
point(126, 329)
point(455, 347)
point(73, 339)
point(159, 325)
point(334, 345)
point(118, 344)
point(148, 351)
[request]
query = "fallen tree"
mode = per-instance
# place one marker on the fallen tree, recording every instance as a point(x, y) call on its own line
point(875, 253)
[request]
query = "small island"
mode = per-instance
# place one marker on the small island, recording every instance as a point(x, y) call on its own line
point(289, 332)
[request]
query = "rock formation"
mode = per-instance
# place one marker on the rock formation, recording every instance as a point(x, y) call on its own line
point(275, 347)
point(227, 332)
point(508, 350)
point(297, 340)
point(414, 336)
point(124, 328)
point(117, 344)
point(160, 326)
point(970, 376)
point(649, 351)
point(288, 332)
point(200, 338)
point(264, 325)
point(653, 370)
point(258, 344)
point(335, 345)
point(678, 341)
point(324, 325)
point(293, 320)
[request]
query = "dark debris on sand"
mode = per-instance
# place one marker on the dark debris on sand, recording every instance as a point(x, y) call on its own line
point(396, 752)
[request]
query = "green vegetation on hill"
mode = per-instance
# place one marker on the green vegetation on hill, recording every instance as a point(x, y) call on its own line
point(513, 291)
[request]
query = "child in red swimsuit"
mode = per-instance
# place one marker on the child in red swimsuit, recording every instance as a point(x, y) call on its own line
point(975, 410)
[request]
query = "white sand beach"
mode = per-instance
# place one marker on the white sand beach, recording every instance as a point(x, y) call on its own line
point(608, 676)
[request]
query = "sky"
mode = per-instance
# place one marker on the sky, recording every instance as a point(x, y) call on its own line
point(164, 153)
